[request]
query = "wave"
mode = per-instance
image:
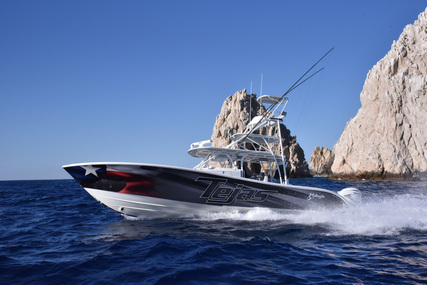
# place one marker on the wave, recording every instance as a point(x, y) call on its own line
point(385, 216)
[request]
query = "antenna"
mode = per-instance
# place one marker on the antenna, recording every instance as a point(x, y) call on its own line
point(250, 105)
point(261, 87)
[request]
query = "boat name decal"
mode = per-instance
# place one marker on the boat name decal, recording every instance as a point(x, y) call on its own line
point(219, 192)
point(315, 196)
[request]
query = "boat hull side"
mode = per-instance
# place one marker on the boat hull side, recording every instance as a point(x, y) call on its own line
point(152, 208)
point(191, 188)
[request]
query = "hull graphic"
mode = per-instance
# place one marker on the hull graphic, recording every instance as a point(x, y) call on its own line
point(151, 191)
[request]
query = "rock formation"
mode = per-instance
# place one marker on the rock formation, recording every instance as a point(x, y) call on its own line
point(388, 136)
point(236, 112)
point(321, 161)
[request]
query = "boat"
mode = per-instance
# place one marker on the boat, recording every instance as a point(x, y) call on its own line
point(224, 181)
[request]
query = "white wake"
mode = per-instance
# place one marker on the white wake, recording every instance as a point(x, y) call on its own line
point(387, 216)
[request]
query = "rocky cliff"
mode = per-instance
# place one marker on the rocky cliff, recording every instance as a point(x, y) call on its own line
point(236, 112)
point(321, 161)
point(388, 136)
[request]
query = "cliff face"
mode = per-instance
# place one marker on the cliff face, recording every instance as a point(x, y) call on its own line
point(321, 161)
point(236, 112)
point(388, 136)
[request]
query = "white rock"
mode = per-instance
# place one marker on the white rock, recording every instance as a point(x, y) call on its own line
point(388, 136)
point(321, 161)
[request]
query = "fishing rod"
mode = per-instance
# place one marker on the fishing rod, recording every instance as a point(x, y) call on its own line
point(293, 87)
point(297, 83)
point(305, 80)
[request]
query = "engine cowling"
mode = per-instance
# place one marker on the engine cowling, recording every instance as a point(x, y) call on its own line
point(351, 195)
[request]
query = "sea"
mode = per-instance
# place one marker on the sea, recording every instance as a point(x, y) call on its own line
point(54, 232)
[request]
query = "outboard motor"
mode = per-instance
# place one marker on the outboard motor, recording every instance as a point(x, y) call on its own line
point(351, 195)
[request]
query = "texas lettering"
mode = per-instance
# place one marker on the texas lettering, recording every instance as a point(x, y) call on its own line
point(219, 192)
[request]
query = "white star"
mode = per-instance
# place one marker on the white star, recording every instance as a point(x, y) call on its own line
point(90, 170)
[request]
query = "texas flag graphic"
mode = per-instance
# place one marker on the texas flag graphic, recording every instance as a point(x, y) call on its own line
point(98, 176)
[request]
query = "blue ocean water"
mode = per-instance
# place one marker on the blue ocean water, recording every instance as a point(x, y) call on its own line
point(53, 232)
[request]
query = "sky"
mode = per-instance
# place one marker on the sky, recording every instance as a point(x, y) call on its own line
point(139, 81)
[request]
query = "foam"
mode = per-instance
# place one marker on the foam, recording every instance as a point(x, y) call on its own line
point(387, 216)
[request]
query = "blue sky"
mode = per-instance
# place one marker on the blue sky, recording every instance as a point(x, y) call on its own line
point(139, 81)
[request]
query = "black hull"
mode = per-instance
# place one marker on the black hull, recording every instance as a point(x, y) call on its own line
point(194, 187)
